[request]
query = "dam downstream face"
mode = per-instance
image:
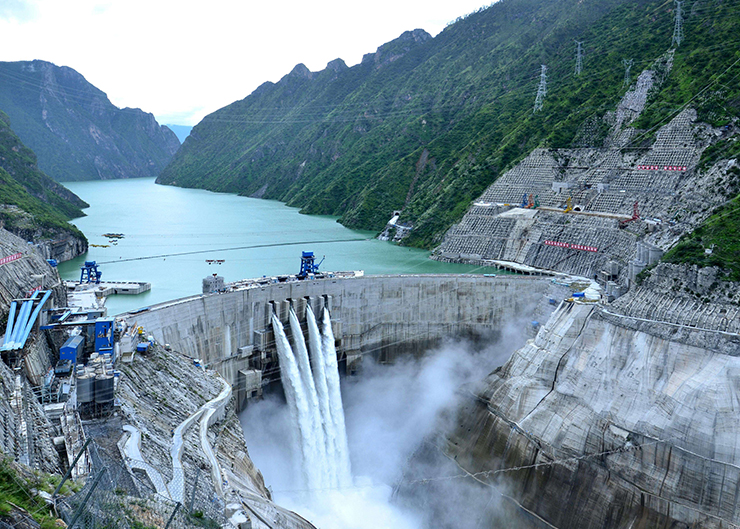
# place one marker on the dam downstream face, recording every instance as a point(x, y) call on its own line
point(390, 410)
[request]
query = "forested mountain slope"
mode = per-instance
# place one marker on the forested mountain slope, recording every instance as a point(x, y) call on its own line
point(425, 124)
point(77, 133)
point(32, 205)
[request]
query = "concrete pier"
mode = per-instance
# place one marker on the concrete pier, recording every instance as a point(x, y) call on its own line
point(382, 315)
point(108, 288)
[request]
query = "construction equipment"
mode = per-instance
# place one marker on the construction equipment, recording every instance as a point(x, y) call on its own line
point(568, 205)
point(90, 273)
point(530, 202)
point(308, 265)
point(635, 216)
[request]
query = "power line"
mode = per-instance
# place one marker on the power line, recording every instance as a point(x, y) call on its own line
point(678, 27)
point(270, 245)
point(488, 473)
point(579, 57)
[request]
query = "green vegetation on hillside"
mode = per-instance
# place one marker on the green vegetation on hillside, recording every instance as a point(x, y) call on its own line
point(47, 205)
point(16, 492)
point(425, 125)
point(719, 233)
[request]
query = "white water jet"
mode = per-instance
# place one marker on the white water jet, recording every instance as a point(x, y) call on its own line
point(322, 391)
point(315, 402)
point(344, 470)
point(295, 396)
point(321, 470)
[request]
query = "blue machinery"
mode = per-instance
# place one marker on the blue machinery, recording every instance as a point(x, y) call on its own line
point(20, 325)
point(308, 265)
point(90, 273)
point(101, 326)
point(23, 316)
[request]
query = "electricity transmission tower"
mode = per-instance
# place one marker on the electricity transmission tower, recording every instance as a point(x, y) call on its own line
point(678, 28)
point(627, 65)
point(579, 57)
point(541, 89)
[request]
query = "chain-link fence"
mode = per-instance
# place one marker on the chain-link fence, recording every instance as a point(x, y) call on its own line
point(121, 496)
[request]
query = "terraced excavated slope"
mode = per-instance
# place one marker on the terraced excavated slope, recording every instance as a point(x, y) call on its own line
point(26, 433)
point(621, 414)
point(182, 417)
point(672, 191)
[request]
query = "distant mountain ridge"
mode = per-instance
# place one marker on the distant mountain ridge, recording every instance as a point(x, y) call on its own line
point(425, 125)
point(75, 131)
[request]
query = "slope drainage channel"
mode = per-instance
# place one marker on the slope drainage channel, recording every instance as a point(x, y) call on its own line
point(209, 410)
point(132, 448)
point(175, 489)
point(176, 486)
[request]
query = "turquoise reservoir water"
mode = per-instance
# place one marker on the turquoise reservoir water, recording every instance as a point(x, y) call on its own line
point(163, 220)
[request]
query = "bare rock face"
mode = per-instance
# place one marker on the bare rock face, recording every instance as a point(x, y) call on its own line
point(27, 272)
point(397, 48)
point(51, 242)
point(63, 248)
point(606, 420)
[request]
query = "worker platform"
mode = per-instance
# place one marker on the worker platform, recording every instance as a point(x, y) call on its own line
point(108, 288)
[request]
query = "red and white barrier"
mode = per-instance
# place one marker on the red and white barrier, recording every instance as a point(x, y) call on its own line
point(662, 167)
point(11, 258)
point(582, 247)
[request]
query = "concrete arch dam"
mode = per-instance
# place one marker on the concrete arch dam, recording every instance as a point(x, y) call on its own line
point(379, 315)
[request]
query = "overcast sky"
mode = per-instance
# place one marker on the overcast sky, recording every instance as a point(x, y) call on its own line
point(183, 59)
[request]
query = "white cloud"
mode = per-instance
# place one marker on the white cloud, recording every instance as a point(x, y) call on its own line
point(181, 60)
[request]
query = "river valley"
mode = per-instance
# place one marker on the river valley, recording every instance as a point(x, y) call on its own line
point(159, 220)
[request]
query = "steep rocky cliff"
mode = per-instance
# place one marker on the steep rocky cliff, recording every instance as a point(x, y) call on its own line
point(32, 205)
point(77, 133)
point(611, 420)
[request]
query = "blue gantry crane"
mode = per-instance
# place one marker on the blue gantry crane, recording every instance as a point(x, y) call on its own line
point(309, 265)
point(89, 273)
